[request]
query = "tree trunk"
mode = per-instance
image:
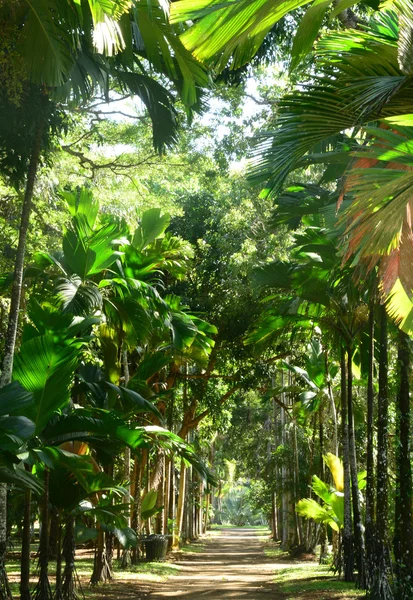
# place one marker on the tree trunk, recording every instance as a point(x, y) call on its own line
point(357, 523)
point(101, 565)
point(5, 592)
point(43, 591)
point(167, 495)
point(380, 568)
point(11, 334)
point(403, 534)
point(25, 555)
point(136, 508)
point(334, 441)
point(347, 540)
point(181, 505)
point(126, 555)
point(58, 595)
point(10, 341)
point(69, 553)
point(370, 460)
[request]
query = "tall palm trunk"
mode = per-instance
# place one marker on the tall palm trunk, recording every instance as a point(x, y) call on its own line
point(370, 458)
point(11, 334)
point(347, 540)
point(68, 552)
point(126, 555)
point(357, 522)
point(5, 593)
point(403, 534)
point(10, 341)
point(43, 590)
point(58, 595)
point(380, 568)
point(25, 554)
point(181, 505)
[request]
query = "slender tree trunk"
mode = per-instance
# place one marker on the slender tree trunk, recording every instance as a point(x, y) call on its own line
point(43, 591)
point(10, 341)
point(284, 492)
point(25, 555)
point(136, 508)
point(370, 460)
point(181, 505)
point(126, 555)
point(101, 565)
point(167, 495)
point(172, 501)
point(206, 517)
point(347, 541)
point(334, 441)
point(5, 592)
point(323, 529)
point(58, 595)
point(358, 524)
point(403, 534)
point(69, 554)
point(380, 568)
point(160, 499)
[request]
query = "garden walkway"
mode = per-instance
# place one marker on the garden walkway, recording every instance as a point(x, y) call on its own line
point(231, 564)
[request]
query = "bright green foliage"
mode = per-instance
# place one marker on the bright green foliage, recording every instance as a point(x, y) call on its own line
point(331, 511)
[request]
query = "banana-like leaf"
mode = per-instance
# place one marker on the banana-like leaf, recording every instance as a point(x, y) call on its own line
point(14, 399)
point(152, 225)
point(225, 30)
point(321, 489)
point(45, 369)
point(22, 478)
point(336, 468)
point(126, 536)
point(310, 509)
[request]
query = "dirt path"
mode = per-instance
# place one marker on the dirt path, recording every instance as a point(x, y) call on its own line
point(232, 565)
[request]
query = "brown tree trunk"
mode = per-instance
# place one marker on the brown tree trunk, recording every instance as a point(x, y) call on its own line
point(403, 534)
point(43, 591)
point(181, 506)
point(357, 523)
point(370, 460)
point(25, 555)
point(10, 341)
point(380, 567)
point(347, 539)
point(69, 553)
point(101, 566)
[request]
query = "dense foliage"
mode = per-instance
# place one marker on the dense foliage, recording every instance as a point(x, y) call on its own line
point(206, 281)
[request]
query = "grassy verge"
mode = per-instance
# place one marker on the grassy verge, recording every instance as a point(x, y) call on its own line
point(311, 581)
point(215, 527)
point(193, 548)
point(136, 574)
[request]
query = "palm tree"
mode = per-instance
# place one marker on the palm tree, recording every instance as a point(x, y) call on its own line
point(67, 52)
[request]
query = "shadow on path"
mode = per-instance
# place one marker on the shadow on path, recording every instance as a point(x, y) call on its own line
point(232, 565)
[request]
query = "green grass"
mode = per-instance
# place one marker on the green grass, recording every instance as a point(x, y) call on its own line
point(273, 551)
point(311, 580)
point(215, 526)
point(140, 573)
point(195, 548)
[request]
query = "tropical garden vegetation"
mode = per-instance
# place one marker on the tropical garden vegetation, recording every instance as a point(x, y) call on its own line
point(206, 282)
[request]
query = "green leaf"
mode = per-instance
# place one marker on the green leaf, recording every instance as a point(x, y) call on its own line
point(228, 30)
point(45, 369)
point(307, 31)
point(310, 509)
point(20, 477)
point(148, 505)
point(14, 399)
point(126, 536)
point(153, 224)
